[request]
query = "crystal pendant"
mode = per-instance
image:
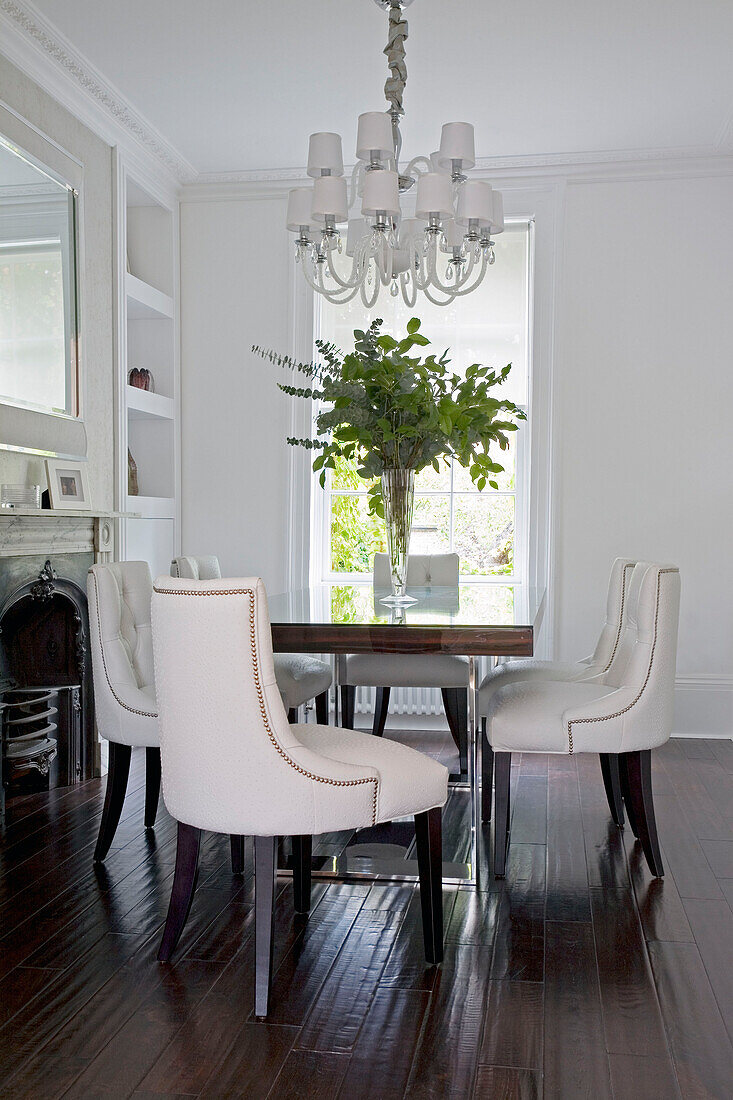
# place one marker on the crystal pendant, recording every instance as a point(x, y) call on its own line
point(492, 255)
point(394, 289)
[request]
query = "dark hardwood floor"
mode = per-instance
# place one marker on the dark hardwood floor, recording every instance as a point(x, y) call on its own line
point(578, 976)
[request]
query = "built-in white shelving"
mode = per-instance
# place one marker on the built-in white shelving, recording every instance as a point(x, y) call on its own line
point(148, 420)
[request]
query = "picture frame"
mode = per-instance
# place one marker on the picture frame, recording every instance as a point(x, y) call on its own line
point(68, 484)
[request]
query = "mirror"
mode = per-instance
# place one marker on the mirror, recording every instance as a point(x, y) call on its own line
point(38, 288)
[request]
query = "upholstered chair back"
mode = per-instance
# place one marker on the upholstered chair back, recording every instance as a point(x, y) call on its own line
point(119, 595)
point(616, 607)
point(423, 570)
point(231, 760)
point(196, 569)
point(643, 670)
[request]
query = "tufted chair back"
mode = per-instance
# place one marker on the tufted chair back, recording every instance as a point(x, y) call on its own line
point(616, 609)
point(196, 569)
point(232, 762)
point(643, 670)
point(423, 570)
point(119, 596)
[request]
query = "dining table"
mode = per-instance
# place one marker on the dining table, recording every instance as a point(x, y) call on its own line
point(483, 621)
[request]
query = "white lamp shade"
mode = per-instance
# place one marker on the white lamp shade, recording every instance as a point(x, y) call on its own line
point(474, 201)
point(497, 216)
point(374, 135)
point(324, 155)
point(381, 192)
point(357, 229)
point(411, 230)
point(299, 209)
point(329, 197)
point(400, 261)
point(434, 195)
point(456, 143)
point(453, 233)
point(435, 165)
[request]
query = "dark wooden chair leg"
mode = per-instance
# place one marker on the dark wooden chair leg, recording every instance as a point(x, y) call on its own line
point(302, 851)
point(639, 771)
point(114, 798)
point(152, 786)
point(237, 847)
point(265, 872)
point(381, 707)
point(455, 705)
point(293, 715)
point(502, 778)
point(487, 774)
point(612, 782)
point(348, 702)
point(623, 774)
point(428, 836)
point(322, 708)
point(184, 884)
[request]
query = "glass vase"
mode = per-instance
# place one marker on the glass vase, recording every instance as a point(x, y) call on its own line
point(398, 494)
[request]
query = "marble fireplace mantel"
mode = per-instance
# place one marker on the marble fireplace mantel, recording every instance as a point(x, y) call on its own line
point(25, 531)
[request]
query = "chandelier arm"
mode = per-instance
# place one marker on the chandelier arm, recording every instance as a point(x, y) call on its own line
point(461, 281)
point(479, 279)
point(370, 302)
point(357, 176)
point(436, 301)
point(332, 294)
point(409, 300)
point(353, 279)
point(413, 165)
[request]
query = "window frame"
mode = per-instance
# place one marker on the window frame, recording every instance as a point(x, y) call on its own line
point(320, 519)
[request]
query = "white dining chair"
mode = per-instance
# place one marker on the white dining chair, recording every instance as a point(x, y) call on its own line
point(119, 595)
point(385, 671)
point(597, 664)
point(624, 713)
point(232, 763)
point(300, 677)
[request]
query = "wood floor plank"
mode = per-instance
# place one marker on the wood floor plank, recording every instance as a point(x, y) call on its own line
point(660, 906)
point(712, 927)
point(605, 855)
point(501, 1083)
point(519, 940)
point(701, 1048)
point(567, 873)
point(253, 1062)
point(684, 855)
point(631, 1019)
point(651, 1078)
point(719, 854)
point(339, 1010)
point(446, 1058)
point(383, 1055)
point(575, 1059)
point(406, 967)
point(699, 808)
point(723, 752)
point(514, 1025)
point(529, 811)
point(310, 1075)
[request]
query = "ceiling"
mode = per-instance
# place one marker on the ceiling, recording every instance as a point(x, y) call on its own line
point(237, 85)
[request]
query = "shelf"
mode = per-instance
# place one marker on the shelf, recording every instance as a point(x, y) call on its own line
point(144, 302)
point(152, 507)
point(143, 405)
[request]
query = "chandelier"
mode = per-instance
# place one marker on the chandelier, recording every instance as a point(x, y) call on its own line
point(439, 244)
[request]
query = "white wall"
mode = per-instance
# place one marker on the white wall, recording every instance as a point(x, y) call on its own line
point(234, 420)
point(642, 280)
point(643, 400)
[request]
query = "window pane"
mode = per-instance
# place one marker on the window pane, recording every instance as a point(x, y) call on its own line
point(483, 534)
point(346, 477)
point(355, 535)
point(431, 526)
point(428, 481)
point(506, 481)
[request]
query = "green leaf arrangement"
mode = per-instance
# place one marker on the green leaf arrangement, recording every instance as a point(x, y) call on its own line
point(388, 408)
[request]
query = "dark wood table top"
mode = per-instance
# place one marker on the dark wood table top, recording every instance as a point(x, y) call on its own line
point(479, 619)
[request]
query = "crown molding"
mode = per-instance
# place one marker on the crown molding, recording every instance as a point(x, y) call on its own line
point(515, 173)
point(36, 46)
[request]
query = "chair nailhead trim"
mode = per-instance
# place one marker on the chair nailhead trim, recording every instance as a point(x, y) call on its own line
point(608, 717)
point(620, 619)
point(260, 695)
point(133, 710)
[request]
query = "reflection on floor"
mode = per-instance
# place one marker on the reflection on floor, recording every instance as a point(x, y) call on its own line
point(578, 976)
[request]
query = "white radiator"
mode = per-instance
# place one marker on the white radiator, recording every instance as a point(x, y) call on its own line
point(402, 701)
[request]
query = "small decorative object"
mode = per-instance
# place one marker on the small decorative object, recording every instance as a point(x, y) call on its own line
point(132, 486)
point(68, 485)
point(141, 379)
point(455, 217)
point(395, 414)
point(20, 496)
